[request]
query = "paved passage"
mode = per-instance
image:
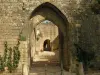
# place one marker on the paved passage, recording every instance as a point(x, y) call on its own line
point(46, 56)
point(48, 70)
point(47, 63)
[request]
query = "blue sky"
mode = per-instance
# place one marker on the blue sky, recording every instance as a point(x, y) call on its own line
point(46, 21)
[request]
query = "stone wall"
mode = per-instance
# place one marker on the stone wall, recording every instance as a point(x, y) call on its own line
point(45, 31)
point(14, 17)
point(24, 58)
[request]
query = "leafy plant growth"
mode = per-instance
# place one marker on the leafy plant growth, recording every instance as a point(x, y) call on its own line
point(10, 58)
point(96, 7)
point(84, 56)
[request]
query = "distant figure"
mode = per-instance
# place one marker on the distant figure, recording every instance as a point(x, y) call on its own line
point(46, 45)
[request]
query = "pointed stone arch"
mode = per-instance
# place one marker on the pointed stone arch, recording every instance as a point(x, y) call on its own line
point(48, 11)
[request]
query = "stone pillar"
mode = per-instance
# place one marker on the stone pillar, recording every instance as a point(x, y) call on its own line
point(25, 70)
point(24, 58)
point(79, 69)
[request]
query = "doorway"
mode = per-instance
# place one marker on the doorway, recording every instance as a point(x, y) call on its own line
point(48, 11)
point(46, 45)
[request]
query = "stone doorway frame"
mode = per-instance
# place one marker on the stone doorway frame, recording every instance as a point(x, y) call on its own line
point(46, 45)
point(48, 11)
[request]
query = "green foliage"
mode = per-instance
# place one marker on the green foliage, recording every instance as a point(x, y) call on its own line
point(10, 58)
point(9, 62)
point(22, 38)
point(16, 55)
point(96, 7)
point(5, 53)
point(98, 1)
point(84, 56)
point(1, 64)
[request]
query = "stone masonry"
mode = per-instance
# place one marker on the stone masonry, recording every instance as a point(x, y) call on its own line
point(83, 28)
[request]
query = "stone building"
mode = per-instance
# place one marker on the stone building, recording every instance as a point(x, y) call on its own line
point(69, 22)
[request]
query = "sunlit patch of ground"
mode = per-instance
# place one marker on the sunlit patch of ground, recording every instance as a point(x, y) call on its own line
point(46, 56)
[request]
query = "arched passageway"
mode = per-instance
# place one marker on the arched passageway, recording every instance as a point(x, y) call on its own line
point(48, 11)
point(46, 45)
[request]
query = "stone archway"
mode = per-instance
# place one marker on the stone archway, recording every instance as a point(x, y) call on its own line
point(46, 45)
point(47, 11)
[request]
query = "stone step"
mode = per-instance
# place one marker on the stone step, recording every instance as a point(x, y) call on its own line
point(46, 56)
point(55, 73)
point(45, 63)
point(49, 70)
point(10, 73)
point(45, 60)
